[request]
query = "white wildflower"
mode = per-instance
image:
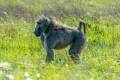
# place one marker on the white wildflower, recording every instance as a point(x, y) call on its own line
point(26, 74)
point(5, 65)
point(1, 73)
point(28, 79)
point(10, 77)
point(37, 75)
point(66, 65)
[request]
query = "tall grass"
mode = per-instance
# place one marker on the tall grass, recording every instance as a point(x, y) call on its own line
point(22, 56)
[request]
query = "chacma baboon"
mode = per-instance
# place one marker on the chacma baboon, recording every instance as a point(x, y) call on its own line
point(57, 36)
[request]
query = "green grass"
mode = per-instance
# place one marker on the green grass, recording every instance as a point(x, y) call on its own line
point(23, 53)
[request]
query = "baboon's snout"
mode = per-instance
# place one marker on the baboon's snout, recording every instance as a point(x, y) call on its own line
point(37, 32)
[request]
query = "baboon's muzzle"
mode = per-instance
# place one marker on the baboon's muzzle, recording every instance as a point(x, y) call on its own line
point(38, 32)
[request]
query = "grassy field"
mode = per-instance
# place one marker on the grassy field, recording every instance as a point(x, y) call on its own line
point(23, 58)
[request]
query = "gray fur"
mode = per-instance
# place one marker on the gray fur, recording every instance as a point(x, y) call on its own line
point(57, 36)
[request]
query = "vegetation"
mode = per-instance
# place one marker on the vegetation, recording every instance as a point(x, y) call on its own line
point(23, 58)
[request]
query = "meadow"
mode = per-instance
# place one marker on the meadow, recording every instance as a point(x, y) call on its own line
point(22, 56)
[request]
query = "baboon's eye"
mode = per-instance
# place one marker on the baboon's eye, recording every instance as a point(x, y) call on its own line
point(38, 23)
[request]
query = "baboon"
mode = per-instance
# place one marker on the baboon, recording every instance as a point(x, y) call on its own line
point(57, 36)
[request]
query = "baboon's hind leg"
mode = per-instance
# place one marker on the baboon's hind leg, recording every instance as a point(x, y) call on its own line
point(76, 49)
point(73, 52)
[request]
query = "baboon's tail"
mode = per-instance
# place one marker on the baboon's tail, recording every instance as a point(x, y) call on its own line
point(80, 26)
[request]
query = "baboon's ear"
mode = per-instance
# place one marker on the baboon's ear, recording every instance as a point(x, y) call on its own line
point(48, 20)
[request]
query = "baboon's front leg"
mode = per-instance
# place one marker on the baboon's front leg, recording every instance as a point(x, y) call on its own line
point(42, 39)
point(49, 51)
point(49, 55)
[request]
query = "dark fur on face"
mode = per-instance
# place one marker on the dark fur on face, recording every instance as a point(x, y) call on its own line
point(55, 35)
point(41, 25)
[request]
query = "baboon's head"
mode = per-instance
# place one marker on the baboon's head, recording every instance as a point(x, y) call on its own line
point(41, 25)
